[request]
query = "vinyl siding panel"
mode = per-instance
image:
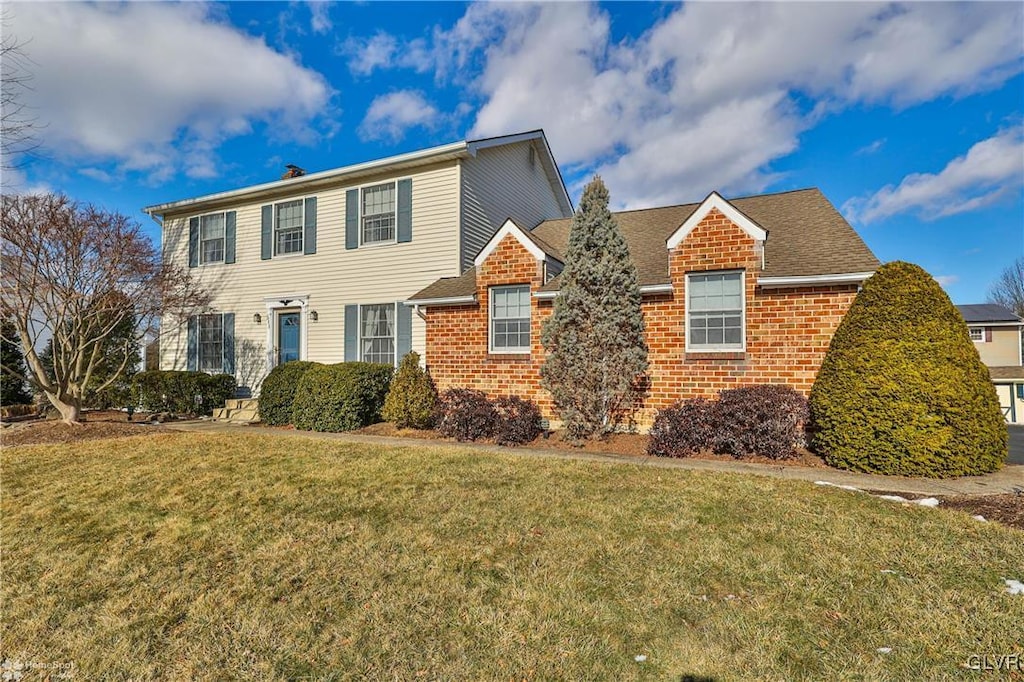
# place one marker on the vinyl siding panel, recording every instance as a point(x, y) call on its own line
point(331, 278)
point(1004, 348)
point(501, 183)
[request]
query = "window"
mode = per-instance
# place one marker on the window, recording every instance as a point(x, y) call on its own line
point(510, 319)
point(377, 333)
point(378, 222)
point(211, 238)
point(714, 311)
point(977, 333)
point(211, 343)
point(288, 227)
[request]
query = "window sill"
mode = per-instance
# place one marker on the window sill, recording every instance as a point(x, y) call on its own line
point(715, 355)
point(491, 355)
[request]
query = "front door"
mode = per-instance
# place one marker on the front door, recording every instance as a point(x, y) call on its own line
point(288, 337)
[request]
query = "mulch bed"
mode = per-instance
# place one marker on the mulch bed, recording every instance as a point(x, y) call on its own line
point(631, 444)
point(1007, 508)
point(96, 424)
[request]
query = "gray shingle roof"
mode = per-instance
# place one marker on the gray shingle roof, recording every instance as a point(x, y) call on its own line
point(987, 312)
point(1004, 373)
point(806, 236)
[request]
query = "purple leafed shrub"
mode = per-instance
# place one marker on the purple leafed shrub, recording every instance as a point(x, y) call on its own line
point(518, 421)
point(684, 429)
point(766, 420)
point(465, 414)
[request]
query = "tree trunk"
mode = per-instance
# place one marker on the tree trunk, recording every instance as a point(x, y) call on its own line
point(70, 407)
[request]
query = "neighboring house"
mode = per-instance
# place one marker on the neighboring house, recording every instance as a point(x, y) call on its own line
point(996, 332)
point(316, 266)
point(734, 293)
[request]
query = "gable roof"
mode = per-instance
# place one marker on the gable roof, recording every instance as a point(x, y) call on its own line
point(311, 182)
point(535, 245)
point(807, 237)
point(987, 312)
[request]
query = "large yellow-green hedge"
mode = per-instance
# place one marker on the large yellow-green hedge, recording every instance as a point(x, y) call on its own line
point(902, 389)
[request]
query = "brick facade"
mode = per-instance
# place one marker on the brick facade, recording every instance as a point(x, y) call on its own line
point(788, 330)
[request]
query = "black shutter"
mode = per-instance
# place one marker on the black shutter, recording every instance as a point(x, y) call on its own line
point(229, 237)
point(193, 343)
point(352, 219)
point(404, 216)
point(309, 238)
point(267, 233)
point(351, 333)
point(404, 344)
point(228, 337)
point(193, 242)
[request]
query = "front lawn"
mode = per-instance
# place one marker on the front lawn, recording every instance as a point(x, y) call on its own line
point(185, 556)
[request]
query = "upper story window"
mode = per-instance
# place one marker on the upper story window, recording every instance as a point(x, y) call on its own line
point(378, 214)
point(211, 343)
point(211, 238)
point(288, 221)
point(977, 333)
point(510, 319)
point(715, 311)
point(377, 333)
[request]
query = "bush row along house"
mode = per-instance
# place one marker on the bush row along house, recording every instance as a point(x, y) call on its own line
point(456, 251)
point(997, 334)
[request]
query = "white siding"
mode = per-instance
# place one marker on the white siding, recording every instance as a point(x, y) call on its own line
point(500, 183)
point(331, 278)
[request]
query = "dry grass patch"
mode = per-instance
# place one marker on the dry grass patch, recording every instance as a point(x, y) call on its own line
point(183, 556)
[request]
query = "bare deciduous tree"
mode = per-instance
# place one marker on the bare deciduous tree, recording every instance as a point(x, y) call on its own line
point(1008, 290)
point(18, 123)
point(74, 273)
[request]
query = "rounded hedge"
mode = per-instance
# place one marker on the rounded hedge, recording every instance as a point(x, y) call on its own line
point(412, 399)
point(182, 392)
point(277, 392)
point(340, 397)
point(902, 390)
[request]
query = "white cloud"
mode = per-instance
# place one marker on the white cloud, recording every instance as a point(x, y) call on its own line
point(988, 171)
point(155, 88)
point(391, 115)
point(871, 148)
point(320, 16)
point(947, 280)
point(385, 51)
point(712, 94)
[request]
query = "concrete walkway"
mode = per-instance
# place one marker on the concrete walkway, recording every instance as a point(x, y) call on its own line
point(1007, 480)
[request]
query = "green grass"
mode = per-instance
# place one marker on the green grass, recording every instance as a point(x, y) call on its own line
point(189, 556)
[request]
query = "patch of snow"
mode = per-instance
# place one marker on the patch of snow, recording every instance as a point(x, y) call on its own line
point(889, 570)
point(640, 659)
point(885, 649)
point(979, 517)
point(928, 502)
point(892, 498)
point(836, 485)
point(1014, 586)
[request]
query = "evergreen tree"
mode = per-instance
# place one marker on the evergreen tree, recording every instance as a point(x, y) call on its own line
point(412, 399)
point(902, 390)
point(597, 355)
point(12, 386)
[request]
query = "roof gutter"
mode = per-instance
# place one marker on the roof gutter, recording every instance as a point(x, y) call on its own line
point(646, 290)
point(447, 300)
point(312, 178)
point(814, 280)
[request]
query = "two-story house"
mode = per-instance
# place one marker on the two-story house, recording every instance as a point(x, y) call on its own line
point(317, 266)
point(996, 333)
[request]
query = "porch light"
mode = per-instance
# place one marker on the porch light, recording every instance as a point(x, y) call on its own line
point(313, 315)
point(257, 319)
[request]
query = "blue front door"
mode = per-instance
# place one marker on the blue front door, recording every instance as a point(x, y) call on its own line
point(287, 337)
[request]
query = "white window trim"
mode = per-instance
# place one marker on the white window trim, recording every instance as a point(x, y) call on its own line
point(490, 323)
point(302, 227)
point(742, 348)
point(283, 303)
point(199, 218)
point(359, 220)
point(359, 334)
point(971, 330)
point(199, 344)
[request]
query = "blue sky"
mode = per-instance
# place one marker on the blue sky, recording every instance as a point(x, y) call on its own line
point(909, 117)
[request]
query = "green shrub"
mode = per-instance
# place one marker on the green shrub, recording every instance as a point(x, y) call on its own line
point(182, 392)
point(902, 389)
point(412, 400)
point(277, 392)
point(340, 397)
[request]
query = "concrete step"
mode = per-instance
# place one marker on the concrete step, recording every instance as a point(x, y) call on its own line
point(249, 415)
point(238, 411)
point(242, 404)
point(220, 413)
